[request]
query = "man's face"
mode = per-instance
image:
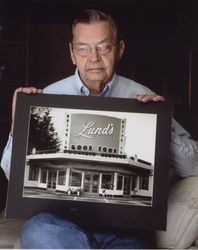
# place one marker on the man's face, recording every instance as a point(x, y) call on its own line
point(95, 65)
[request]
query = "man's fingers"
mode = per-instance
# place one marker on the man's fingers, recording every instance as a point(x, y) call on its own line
point(148, 98)
point(158, 98)
point(28, 90)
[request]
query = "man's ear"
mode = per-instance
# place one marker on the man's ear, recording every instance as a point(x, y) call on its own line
point(72, 54)
point(121, 48)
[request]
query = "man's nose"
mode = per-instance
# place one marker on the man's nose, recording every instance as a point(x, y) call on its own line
point(94, 55)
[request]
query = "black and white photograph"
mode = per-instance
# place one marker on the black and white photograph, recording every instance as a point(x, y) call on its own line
point(87, 155)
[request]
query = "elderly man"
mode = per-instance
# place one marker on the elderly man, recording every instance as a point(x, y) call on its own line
point(96, 50)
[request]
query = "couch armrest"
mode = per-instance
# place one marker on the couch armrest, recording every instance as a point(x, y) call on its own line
point(9, 232)
point(182, 215)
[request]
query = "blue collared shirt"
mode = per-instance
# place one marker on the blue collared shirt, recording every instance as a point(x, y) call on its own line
point(118, 87)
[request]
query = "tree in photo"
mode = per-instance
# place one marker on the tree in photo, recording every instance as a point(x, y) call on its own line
point(43, 136)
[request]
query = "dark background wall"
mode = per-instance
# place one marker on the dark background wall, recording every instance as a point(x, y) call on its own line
point(161, 48)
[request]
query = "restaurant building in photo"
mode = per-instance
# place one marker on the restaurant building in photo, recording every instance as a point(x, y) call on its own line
point(91, 161)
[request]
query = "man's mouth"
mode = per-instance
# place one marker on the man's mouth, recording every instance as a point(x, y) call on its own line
point(95, 69)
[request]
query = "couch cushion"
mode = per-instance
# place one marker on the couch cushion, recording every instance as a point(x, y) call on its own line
point(182, 216)
point(9, 232)
point(196, 242)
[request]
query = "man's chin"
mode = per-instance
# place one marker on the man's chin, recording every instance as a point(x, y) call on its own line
point(96, 76)
point(96, 79)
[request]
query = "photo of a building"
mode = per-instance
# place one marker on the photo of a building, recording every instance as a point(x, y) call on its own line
point(101, 156)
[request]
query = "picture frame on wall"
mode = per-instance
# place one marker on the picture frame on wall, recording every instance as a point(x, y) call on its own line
point(95, 161)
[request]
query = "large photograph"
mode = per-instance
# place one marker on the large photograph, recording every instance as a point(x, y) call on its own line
point(109, 162)
point(89, 155)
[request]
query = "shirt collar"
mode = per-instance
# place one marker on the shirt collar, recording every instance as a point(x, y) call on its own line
point(83, 90)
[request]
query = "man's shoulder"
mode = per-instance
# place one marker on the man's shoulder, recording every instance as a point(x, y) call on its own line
point(131, 86)
point(63, 86)
point(128, 82)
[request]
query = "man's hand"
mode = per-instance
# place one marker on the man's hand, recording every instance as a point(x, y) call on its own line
point(26, 90)
point(149, 98)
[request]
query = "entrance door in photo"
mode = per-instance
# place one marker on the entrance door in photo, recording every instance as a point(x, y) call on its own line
point(51, 184)
point(127, 185)
point(91, 183)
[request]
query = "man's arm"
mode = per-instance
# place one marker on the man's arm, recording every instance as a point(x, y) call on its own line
point(184, 150)
point(6, 157)
point(26, 90)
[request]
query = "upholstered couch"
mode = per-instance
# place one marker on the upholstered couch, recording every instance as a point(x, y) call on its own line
point(182, 219)
point(182, 216)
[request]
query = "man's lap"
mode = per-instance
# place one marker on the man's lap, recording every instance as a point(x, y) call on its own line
point(49, 231)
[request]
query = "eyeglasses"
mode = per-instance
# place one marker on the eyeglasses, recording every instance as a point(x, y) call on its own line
point(101, 49)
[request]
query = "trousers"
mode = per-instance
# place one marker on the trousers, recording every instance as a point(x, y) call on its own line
point(48, 231)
